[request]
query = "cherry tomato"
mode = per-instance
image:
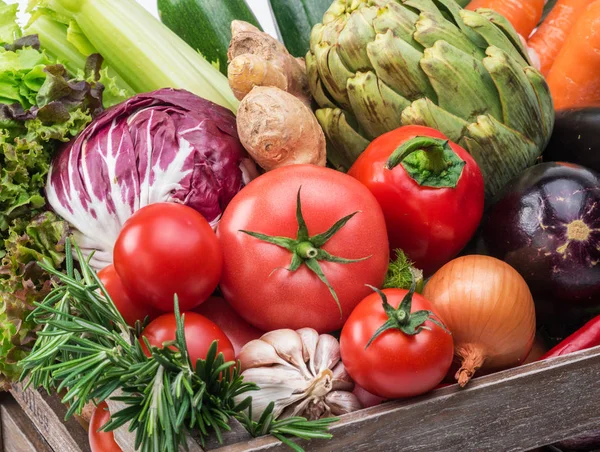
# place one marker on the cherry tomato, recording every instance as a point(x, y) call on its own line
point(236, 328)
point(396, 364)
point(101, 441)
point(130, 309)
point(199, 335)
point(431, 192)
point(166, 249)
point(255, 280)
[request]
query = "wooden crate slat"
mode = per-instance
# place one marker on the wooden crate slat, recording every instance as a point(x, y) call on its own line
point(18, 432)
point(48, 413)
point(514, 410)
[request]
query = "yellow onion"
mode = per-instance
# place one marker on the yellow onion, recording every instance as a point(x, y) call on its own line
point(489, 309)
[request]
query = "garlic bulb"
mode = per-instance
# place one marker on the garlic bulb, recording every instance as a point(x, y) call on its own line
point(301, 372)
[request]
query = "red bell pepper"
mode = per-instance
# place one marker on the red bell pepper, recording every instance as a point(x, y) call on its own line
point(431, 192)
point(586, 337)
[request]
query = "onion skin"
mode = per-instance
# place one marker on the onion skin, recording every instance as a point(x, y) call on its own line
point(489, 309)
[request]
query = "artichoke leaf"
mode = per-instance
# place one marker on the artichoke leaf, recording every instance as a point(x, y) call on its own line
point(424, 6)
point(374, 104)
point(462, 84)
point(315, 84)
point(396, 63)
point(432, 29)
point(506, 27)
point(542, 91)
point(332, 72)
point(499, 151)
point(492, 34)
point(348, 143)
point(521, 110)
point(400, 20)
point(454, 10)
point(424, 112)
point(353, 39)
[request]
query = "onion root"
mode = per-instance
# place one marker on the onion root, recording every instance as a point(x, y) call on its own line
point(472, 358)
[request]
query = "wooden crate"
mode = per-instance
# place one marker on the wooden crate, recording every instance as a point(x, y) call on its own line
point(515, 410)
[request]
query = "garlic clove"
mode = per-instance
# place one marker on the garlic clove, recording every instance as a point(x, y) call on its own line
point(288, 345)
point(342, 402)
point(280, 384)
point(327, 354)
point(310, 339)
point(342, 381)
point(258, 353)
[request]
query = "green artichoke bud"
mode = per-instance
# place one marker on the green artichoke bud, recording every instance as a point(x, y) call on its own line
point(375, 65)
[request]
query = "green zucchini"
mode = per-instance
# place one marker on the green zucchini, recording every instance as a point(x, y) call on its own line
point(295, 19)
point(205, 24)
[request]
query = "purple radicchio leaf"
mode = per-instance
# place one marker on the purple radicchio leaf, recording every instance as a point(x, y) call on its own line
point(165, 146)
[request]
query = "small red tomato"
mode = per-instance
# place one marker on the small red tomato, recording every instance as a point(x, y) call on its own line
point(130, 309)
point(431, 192)
point(166, 249)
point(199, 335)
point(367, 399)
point(409, 357)
point(235, 327)
point(101, 441)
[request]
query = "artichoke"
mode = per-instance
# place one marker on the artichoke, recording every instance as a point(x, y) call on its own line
point(375, 65)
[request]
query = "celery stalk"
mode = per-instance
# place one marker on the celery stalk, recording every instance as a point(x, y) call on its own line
point(142, 51)
point(54, 39)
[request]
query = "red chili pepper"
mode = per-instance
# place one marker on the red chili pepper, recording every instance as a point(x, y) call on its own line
point(586, 337)
point(430, 190)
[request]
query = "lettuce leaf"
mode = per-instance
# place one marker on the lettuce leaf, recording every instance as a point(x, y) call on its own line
point(42, 106)
point(22, 283)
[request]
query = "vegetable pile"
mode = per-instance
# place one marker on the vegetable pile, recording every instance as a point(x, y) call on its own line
point(200, 226)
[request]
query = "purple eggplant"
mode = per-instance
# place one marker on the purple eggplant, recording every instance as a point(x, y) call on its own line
point(575, 138)
point(546, 224)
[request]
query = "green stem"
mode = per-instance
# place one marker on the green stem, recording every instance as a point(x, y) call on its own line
point(306, 250)
point(433, 158)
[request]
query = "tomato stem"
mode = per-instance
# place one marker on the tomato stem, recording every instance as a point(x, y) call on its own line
point(306, 250)
point(402, 319)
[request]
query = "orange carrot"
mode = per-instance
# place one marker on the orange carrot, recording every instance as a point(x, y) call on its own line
point(524, 15)
point(551, 35)
point(574, 79)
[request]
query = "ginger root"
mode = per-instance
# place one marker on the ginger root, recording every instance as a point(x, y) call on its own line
point(258, 59)
point(277, 129)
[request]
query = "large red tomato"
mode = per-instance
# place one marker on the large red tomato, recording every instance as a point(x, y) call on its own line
point(166, 249)
point(277, 285)
point(101, 441)
point(130, 309)
point(199, 335)
point(235, 327)
point(397, 363)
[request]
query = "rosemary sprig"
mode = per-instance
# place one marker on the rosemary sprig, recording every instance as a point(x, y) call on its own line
point(87, 349)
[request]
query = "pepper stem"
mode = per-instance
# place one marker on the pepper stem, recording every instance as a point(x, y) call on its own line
point(431, 160)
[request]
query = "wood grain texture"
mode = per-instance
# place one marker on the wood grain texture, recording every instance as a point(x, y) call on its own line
point(18, 432)
point(48, 413)
point(516, 410)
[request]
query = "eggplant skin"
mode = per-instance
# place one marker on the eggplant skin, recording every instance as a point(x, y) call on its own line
point(546, 224)
point(589, 442)
point(576, 138)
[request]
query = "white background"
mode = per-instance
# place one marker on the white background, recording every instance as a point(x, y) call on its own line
point(261, 9)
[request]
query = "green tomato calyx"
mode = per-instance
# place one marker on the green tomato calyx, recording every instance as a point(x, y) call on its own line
point(430, 162)
point(308, 250)
point(402, 319)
